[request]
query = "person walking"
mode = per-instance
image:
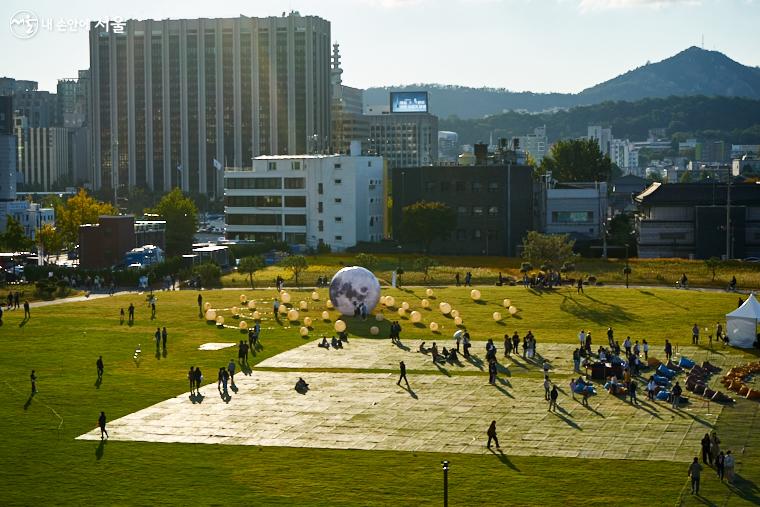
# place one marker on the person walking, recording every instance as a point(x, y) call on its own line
point(632, 392)
point(33, 379)
point(191, 379)
point(676, 395)
point(102, 425)
point(492, 435)
point(651, 388)
point(225, 378)
point(553, 398)
point(706, 456)
point(645, 348)
point(468, 279)
point(714, 445)
point(719, 465)
point(580, 285)
point(231, 369)
point(27, 312)
point(695, 469)
point(695, 334)
point(164, 335)
point(456, 278)
point(402, 375)
point(728, 466)
point(16, 300)
point(547, 387)
point(200, 305)
point(610, 336)
point(131, 312)
point(582, 338)
point(668, 350)
point(99, 365)
point(152, 308)
point(158, 337)
point(577, 360)
point(492, 371)
point(198, 380)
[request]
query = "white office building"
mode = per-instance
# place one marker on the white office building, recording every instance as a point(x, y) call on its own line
point(536, 143)
point(626, 155)
point(602, 136)
point(336, 200)
point(578, 209)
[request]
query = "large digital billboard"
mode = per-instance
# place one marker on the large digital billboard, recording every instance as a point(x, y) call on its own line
point(409, 102)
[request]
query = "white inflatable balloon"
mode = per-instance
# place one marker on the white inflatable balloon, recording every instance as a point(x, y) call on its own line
point(340, 326)
point(429, 293)
point(434, 326)
point(304, 331)
point(445, 308)
point(425, 303)
point(507, 303)
point(455, 313)
point(220, 321)
point(512, 310)
point(379, 317)
point(325, 315)
point(307, 321)
point(210, 315)
point(458, 321)
point(256, 315)
point(475, 294)
point(390, 301)
point(415, 316)
point(401, 312)
point(315, 296)
point(303, 305)
point(285, 297)
point(374, 330)
point(243, 325)
point(405, 305)
point(496, 316)
point(352, 286)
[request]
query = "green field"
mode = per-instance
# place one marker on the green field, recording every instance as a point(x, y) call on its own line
point(42, 463)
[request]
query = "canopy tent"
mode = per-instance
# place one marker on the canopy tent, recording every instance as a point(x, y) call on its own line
point(741, 324)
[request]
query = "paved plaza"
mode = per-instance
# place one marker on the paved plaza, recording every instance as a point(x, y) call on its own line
point(358, 410)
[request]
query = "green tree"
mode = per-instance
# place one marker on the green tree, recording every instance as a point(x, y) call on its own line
point(296, 264)
point(14, 238)
point(426, 221)
point(49, 240)
point(210, 274)
point(78, 210)
point(577, 160)
point(548, 249)
point(713, 263)
point(181, 217)
point(424, 264)
point(250, 265)
point(620, 233)
point(366, 260)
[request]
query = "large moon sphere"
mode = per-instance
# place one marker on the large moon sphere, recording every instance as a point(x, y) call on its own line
point(354, 285)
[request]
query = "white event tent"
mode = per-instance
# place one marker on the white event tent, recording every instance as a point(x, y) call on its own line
point(741, 324)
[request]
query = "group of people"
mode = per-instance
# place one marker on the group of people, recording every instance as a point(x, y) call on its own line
point(360, 310)
point(467, 279)
point(512, 345)
point(712, 456)
point(14, 303)
point(225, 375)
point(336, 343)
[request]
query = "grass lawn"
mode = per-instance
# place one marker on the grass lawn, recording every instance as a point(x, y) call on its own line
point(41, 463)
point(485, 270)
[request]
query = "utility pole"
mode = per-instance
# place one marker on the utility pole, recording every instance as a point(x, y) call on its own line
point(728, 218)
point(445, 465)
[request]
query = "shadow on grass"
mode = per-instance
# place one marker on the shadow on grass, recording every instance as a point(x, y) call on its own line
point(598, 312)
point(28, 401)
point(745, 489)
point(98, 382)
point(442, 369)
point(652, 294)
point(101, 450)
point(504, 459)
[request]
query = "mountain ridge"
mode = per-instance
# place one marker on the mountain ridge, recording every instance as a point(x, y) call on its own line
point(693, 71)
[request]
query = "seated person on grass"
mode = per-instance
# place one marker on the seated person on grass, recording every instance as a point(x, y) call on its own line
point(422, 348)
point(337, 344)
point(301, 385)
point(324, 343)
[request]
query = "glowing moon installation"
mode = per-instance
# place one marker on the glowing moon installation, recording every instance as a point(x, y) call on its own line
point(352, 286)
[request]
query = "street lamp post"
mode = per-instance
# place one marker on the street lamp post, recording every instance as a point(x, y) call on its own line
point(627, 268)
point(445, 465)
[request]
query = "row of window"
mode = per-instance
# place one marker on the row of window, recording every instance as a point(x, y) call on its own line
point(573, 217)
point(265, 201)
point(478, 211)
point(264, 183)
point(295, 165)
point(266, 219)
point(467, 234)
point(461, 186)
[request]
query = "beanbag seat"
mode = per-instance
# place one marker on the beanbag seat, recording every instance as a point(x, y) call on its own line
point(663, 381)
point(663, 395)
point(719, 397)
point(685, 362)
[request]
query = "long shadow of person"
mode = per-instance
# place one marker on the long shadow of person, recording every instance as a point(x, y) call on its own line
point(100, 451)
point(28, 401)
point(504, 459)
point(411, 392)
point(98, 382)
point(401, 346)
point(164, 353)
point(158, 353)
point(23, 322)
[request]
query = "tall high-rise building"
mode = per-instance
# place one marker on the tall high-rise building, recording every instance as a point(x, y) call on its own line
point(348, 121)
point(39, 107)
point(171, 97)
point(602, 136)
point(536, 143)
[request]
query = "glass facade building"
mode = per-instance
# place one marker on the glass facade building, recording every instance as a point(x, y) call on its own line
point(182, 93)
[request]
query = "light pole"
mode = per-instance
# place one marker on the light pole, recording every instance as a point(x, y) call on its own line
point(627, 268)
point(445, 465)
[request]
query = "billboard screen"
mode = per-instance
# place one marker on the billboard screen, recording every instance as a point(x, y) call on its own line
point(409, 102)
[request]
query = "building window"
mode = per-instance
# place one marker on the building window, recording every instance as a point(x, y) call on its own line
point(672, 236)
point(338, 238)
point(369, 163)
point(295, 165)
point(477, 186)
point(338, 182)
point(295, 219)
point(492, 235)
point(338, 219)
point(461, 234)
point(271, 166)
point(462, 210)
point(320, 208)
point(493, 187)
point(338, 200)
point(476, 234)
point(459, 186)
point(293, 183)
point(257, 219)
point(445, 186)
point(493, 211)
point(477, 211)
point(337, 165)
point(321, 226)
point(295, 201)
point(295, 238)
point(430, 186)
point(572, 217)
point(320, 189)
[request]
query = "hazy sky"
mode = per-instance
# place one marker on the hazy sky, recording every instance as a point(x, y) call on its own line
point(536, 45)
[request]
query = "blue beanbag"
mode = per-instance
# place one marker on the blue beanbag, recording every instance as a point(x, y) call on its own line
point(685, 362)
point(665, 372)
point(663, 395)
point(662, 381)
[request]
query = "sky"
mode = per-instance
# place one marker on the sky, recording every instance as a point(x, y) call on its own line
point(521, 45)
